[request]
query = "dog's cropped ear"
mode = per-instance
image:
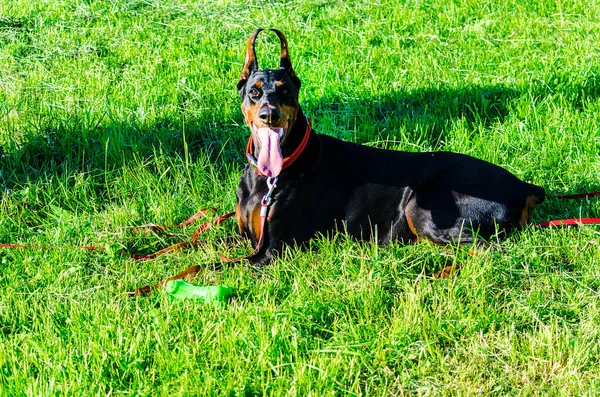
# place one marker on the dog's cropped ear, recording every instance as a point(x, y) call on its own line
point(285, 63)
point(250, 63)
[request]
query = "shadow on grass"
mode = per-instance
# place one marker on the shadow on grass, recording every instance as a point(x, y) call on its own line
point(425, 114)
point(575, 90)
point(62, 147)
point(420, 117)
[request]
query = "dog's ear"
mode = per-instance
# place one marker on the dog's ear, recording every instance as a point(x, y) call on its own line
point(250, 63)
point(285, 63)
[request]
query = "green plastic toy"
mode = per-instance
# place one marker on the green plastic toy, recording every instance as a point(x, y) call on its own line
point(181, 290)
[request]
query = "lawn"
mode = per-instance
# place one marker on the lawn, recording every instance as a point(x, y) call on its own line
point(119, 113)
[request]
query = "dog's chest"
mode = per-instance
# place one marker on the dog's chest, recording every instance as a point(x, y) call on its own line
point(249, 194)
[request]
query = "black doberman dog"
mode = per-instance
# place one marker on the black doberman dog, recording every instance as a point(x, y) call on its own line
point(367, 192)
point(324, 184)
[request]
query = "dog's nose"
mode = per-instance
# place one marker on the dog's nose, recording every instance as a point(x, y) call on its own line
point(269, 115)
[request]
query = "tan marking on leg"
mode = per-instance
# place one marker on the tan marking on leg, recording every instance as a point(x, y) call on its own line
point(240, 220)
point(530, 204)
point(249, 222)
point(412, 227)
point(255, 222)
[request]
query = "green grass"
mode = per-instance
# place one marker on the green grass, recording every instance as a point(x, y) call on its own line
point(119, 113)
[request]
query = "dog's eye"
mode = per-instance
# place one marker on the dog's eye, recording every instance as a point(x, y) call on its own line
point(254, 93)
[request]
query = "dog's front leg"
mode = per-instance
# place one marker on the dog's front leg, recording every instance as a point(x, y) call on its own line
point(265, 254)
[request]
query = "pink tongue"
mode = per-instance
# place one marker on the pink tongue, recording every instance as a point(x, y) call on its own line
point(270, 160)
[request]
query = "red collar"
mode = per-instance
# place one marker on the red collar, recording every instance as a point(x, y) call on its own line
point(288, 160)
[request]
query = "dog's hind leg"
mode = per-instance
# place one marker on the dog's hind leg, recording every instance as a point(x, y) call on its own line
point(449, 229)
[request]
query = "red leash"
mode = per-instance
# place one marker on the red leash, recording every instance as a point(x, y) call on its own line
point(572, 221)
point(201, 229)
point(578, 195)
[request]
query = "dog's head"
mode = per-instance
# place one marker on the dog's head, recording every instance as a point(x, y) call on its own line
point(269, 103)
